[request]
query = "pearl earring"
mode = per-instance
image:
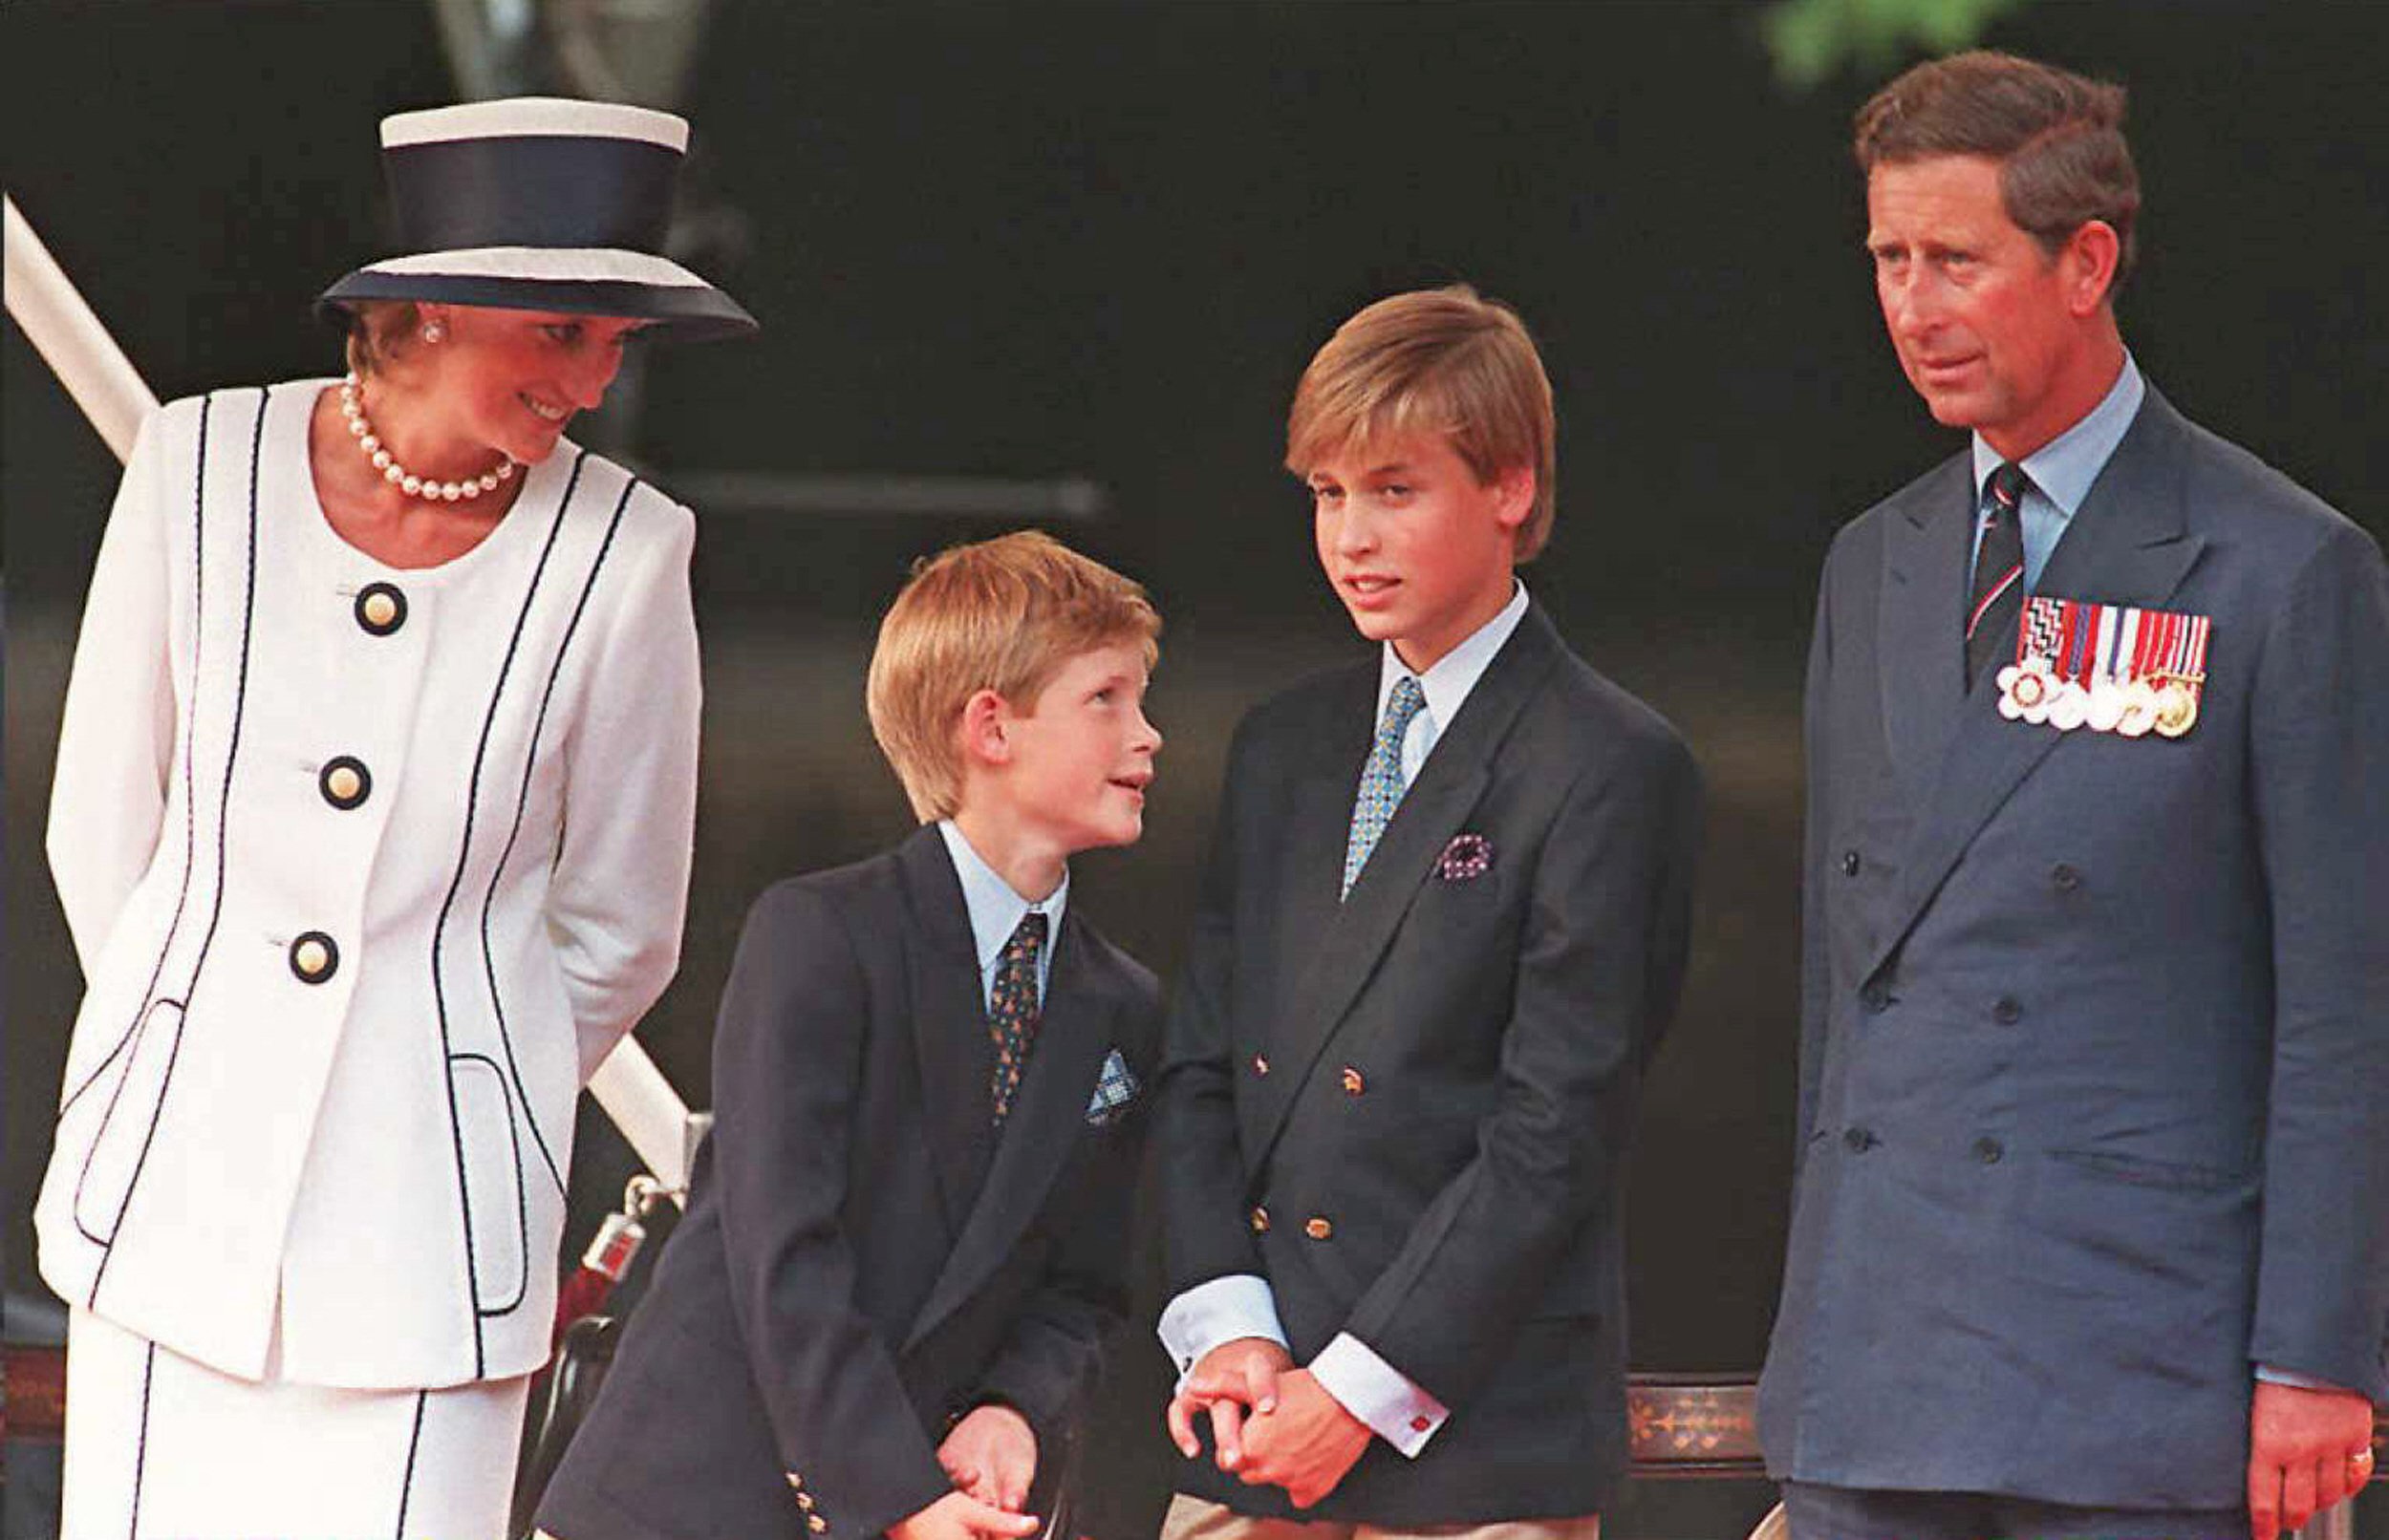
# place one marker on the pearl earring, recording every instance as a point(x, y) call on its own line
point(434, 332)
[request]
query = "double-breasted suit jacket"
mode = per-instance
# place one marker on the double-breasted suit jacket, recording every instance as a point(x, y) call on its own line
point(2094, 1051)
point(367, 869)
point(865, 1257)
point(1408, 1110)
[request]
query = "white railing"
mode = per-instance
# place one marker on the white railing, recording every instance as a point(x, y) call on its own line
point(43, 301)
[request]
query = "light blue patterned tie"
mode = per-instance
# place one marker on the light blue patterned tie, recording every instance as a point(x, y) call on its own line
point(1381, 778)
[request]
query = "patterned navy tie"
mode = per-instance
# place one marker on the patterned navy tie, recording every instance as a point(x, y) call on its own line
point(1012, 1010)
point(1381, 778)
point(1997, 605)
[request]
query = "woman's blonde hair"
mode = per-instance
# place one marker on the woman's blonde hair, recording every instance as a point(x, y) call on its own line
point(1437, 360)
point(1002, 615)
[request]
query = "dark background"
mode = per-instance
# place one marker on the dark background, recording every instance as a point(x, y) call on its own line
point(1036, 240)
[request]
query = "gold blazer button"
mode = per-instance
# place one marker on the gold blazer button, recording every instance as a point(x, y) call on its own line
point(1317, 1228)
point(1260, 1220)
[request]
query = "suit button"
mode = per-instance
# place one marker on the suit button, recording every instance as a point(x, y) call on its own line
point(1353, 1085)
point(805, 1498)
point(1317, 1228)
point(380, 609)
point(1259, 1220)
point(345, 782)
point(1860, 1140)
point(1260, 1063)
point(1877, 997)
point(2064, 878)
point(1988, 1151)
point(314, 957)
point(2005, 1012)
point(1850, 863)
point(816, 1523)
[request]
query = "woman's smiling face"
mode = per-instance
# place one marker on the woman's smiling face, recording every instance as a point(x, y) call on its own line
point(511, 380)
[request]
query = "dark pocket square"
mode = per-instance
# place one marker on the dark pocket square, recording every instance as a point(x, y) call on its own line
point(1467, 858)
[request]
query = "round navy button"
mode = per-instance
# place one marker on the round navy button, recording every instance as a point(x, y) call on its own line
point(345, 782)
point(381, 608)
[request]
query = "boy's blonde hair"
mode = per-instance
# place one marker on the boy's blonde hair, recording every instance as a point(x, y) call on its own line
point(1434, 360)
point(1002, 615)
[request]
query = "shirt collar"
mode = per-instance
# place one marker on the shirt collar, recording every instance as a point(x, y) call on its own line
point(995, 908)
point(1446, 685)
point(2063, 469)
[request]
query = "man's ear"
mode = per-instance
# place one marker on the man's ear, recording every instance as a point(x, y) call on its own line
point(986, 730)
point(2090, 256)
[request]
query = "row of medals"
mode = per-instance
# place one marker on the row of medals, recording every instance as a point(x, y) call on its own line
point(2165, 704)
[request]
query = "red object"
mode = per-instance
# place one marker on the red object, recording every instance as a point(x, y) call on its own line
point(602, 1266)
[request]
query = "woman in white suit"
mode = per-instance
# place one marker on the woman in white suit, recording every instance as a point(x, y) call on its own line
point(372, 826)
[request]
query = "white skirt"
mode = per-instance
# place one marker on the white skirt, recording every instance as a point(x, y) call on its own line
point(160, 1447)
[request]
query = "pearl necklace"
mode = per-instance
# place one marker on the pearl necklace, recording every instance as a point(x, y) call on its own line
point(414, 486)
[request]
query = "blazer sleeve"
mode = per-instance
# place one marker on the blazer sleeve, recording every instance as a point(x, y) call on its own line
point(1600, 962)
point(1055, 1348)
point(1201, 1159)
point(787, 1060)
point(116, 742)
point(2319, 748)
point(620, 889)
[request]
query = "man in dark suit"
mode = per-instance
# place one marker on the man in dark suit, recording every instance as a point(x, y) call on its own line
point(906, 1233)
point(1444, 925)
point(2091, 1224)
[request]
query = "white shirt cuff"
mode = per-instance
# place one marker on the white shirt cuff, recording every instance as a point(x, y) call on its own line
point(1239, 1304)
point(1395, 1409)
point(2271, 1376)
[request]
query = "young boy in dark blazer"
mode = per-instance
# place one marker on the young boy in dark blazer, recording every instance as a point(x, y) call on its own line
point(1444, 926)
point(906, 1233)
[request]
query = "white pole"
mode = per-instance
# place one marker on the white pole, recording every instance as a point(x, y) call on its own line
point(110, 393)
point(70, 340)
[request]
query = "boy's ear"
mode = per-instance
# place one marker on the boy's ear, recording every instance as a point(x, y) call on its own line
point(986, 728)
point(1514, 491)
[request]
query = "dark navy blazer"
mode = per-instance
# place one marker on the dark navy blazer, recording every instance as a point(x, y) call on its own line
point(863, 1259)
point(1428, 1087)
point(2094, 1047)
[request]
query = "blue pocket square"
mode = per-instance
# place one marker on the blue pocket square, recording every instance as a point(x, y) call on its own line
point(1114, 1089)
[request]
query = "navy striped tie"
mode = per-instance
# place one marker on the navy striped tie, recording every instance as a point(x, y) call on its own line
point(1997, 605)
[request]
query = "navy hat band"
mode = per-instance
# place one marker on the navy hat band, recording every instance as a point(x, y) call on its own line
point(545, 191)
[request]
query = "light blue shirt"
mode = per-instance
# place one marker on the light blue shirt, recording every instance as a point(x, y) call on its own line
point(2061, 472)
point(996, 911)
point(1446, 685)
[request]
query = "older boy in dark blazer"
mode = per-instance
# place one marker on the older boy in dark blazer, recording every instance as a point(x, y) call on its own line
point(906, 1233)
point(1443, 928)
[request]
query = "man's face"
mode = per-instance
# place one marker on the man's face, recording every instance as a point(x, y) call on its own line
point(1988, 326)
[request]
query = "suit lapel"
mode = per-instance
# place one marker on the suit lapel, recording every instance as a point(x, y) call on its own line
point(2127, 545)
point(1045, 1124)
point(1921, 638)
point(1345, 947)
point(949, 1024)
